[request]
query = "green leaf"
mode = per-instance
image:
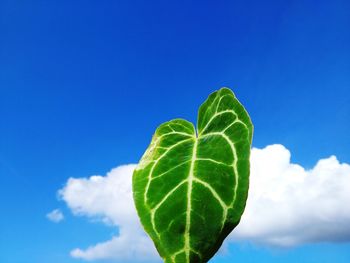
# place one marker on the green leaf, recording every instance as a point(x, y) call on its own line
point(190, 189)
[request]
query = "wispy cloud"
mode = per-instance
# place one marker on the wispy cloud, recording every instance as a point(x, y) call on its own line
point(55, 216)
point(287, 206)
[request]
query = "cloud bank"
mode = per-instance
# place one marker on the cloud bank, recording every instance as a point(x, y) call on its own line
point(287, 206)
point(109, 199)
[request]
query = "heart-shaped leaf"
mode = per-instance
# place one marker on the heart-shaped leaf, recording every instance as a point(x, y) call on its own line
point(190, 188)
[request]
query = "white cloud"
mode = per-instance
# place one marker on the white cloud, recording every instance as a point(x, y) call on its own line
point(55, 216)
point(109, 198)
point(287, 205)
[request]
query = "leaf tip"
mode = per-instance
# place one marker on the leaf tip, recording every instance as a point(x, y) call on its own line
point(226, 90)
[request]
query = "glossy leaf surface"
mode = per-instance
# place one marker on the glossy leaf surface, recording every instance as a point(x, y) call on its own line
point(190, 188)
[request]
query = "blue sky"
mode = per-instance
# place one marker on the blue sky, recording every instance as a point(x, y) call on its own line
point(83, 86)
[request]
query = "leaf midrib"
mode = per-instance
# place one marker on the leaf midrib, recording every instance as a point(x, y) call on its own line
point(189, 197)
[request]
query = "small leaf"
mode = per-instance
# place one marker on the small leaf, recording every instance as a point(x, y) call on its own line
point(190, 189)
